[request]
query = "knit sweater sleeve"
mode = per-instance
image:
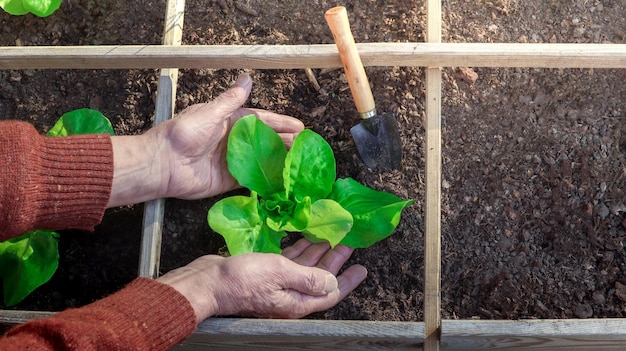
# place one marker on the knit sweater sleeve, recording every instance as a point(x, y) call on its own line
point(52, 183)
point(146, 315)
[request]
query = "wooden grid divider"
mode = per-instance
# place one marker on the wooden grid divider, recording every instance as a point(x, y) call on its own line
point(432, 215)
point(154, 211)
point(539, 55)
point(432, 334)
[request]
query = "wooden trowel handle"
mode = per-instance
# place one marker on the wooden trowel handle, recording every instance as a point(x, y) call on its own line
point(337, 19)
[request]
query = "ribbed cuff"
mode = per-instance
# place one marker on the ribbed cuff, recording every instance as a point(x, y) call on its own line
point(75, 177)
point(158, 313)
point(52, 183)
point(146, 315)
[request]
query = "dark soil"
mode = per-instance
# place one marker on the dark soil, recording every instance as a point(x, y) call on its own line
point(534, 167)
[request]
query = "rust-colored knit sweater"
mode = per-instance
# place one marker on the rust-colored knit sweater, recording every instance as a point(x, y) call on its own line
point(55, 183)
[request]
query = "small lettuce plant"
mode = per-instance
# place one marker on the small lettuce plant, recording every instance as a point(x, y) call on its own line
point(296, 191)
point(41, 8)
point(30, 260)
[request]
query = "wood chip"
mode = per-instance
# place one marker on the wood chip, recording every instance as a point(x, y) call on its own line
point(312, 79)
point(467, 75)
point(223, 5)
point(245, 9)
point(620, 291)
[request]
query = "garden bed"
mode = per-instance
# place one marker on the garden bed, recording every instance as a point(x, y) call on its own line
point(533, 159)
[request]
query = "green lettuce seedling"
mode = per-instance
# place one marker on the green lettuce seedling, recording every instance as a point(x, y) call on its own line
point(27, 262)
point(41, 8)
point(30, 260)
point(296, 191)
point(81, 121)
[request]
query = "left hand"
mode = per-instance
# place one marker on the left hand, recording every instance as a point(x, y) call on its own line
point(299, 282)
point(185, 157)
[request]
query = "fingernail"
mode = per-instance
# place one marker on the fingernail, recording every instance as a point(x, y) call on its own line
point(243, 80)
point(331, 284)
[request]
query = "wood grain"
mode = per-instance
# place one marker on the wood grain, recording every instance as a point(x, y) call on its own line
point(432, 216)
point(337, 19)
point(254, 334)
point(564, 334)
point(274, 334)
point(315, 56)
point(150, 252)
point(264, 334)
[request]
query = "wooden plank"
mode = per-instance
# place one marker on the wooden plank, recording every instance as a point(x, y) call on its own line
point(432, 220)
point(150, 253)
point(274, 334)
point(564, 334)
point(11, 318)
point(315, 56)
point(255, 334)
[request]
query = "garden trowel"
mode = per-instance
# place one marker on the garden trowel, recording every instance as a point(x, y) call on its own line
point(376, 137)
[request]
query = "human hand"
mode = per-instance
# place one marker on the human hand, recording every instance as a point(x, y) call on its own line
point(301, 281)
point(185, 157)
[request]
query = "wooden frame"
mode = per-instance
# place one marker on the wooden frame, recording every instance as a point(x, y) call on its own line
point(432, 334)
point(432, 215)
point(314, 56)
point(154, 211)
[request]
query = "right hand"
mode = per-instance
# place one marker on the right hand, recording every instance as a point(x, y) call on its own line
point(185, 157)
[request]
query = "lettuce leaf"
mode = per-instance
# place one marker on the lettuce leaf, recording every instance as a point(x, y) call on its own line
point(27, 262)
point(297, 192)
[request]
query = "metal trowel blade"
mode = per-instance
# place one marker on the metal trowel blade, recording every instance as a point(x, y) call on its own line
point(378, 141)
